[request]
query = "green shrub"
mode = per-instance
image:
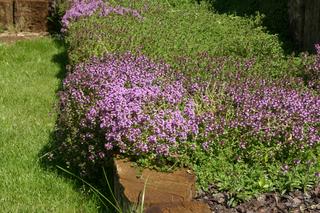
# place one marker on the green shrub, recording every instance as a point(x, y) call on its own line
point(169, 33)
point(275, 12)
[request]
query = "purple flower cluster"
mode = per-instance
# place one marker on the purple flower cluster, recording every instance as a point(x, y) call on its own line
point(273, 111)
point(132, 104)
point(84, 8)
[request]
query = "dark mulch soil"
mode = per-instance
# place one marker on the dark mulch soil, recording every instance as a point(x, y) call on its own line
point(295, 202)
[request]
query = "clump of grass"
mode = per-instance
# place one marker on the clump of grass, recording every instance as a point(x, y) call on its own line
point(138, 208)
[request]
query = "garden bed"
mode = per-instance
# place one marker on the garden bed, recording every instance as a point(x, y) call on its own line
point(234, 109)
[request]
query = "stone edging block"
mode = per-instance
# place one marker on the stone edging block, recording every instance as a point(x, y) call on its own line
point(173, 191)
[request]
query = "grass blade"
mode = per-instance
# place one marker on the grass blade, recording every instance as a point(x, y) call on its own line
point(114, 198)
point(143, 195)
point(97, 191)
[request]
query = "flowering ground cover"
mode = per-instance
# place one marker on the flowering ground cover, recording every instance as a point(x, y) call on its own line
point(235, 109)
point(131, 104)
point(175, 41)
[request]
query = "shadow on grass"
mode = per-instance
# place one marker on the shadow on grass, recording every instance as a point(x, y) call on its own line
point(50, 155)
point(50, 160)
point(276, 19)
point(61, 60)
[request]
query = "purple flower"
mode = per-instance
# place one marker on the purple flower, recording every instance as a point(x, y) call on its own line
point(297, 161)
point(243, 145)
point(152, 139)
point(285, 168)
point(91, 158)
point(101, 155)
point(271, 110)
point(108, 146)
point(85, 8)
point(205, 146)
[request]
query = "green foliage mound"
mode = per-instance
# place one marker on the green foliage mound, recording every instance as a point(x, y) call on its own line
point(252, 136)
point(173, 32)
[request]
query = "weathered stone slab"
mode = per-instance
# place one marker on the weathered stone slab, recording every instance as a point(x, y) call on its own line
point(31, 15)
point(182, 207)
point(6, 13)
point(175, 187)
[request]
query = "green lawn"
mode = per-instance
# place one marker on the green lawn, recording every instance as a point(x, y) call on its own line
point(29, 80)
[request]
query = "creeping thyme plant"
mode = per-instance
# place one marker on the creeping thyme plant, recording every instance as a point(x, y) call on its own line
point(83, 8)
point(130, 103)
point(222, 116)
